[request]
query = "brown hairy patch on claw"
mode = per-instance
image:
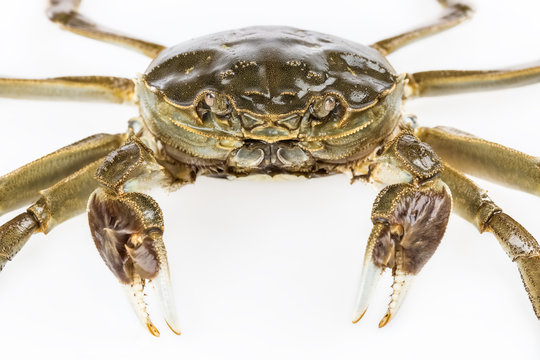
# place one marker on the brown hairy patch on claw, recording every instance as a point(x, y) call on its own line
point(424, 216)
point(384, 249)
point(414, 223)
point(121, 238)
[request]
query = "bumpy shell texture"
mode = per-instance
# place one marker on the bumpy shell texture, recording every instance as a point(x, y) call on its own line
point(271, 70)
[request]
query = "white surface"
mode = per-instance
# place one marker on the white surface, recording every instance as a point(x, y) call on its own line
point(269, 270)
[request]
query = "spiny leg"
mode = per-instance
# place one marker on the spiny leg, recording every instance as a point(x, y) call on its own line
point(65, 13)
point(22, 186)
point(446, 82)
point(77, 88)
point(58, 203)
point(409, 219)
point(484, 159)
point(127, 228)
point(454, 15)
point(473, 204)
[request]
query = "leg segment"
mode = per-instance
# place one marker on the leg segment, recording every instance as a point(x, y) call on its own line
point(23, 185)
point(65, 13)
point(76, 88)
point(446, 82)
point(472, 203)
point(455, 15)
point(58, 203)
point(14, 234)
point(484, 159)
point(127, 228)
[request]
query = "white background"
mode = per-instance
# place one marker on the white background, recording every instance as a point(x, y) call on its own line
point(269, 270)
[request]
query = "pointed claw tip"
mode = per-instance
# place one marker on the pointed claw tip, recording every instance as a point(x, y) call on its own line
point(174, 329)
point(385, 320)
point(153, 330)
point(360, 317)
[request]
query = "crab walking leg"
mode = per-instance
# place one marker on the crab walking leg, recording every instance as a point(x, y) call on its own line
point(58, 203)
point(75, 88)
point(22, 186)
point(127, 228)
point(447, 82)
point(65, 13)
point(455, 14)
point(472, 203)
point(484, 159)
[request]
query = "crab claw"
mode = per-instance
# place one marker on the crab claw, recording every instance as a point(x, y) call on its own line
point(163, 287)
point(371, 273)
point(408, 225)
point(127, 230)
point(135, 294)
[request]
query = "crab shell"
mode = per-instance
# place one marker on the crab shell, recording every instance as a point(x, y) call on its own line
point(270, 78)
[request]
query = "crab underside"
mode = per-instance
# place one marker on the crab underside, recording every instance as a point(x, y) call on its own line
point(271, 101)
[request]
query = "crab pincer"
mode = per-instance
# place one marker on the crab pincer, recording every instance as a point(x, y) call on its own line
point(128, 232)
point(409, 222)
point(127, 228)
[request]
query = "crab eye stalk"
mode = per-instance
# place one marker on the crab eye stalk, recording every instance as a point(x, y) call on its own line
point(323, 107)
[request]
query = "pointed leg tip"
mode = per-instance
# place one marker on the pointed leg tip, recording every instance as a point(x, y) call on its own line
point(385, 320)
point(175, 329)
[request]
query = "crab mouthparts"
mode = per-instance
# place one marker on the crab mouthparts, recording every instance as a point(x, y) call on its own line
point(268, 157)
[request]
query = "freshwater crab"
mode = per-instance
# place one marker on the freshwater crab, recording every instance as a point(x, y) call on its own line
point(242, 103)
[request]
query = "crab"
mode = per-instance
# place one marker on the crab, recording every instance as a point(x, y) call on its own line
point(270, 101)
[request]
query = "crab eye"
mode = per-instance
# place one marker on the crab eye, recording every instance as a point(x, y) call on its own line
point(329, 103)
point(322, 107)
point(214, 105)
point(218, 104)
point(210, 99)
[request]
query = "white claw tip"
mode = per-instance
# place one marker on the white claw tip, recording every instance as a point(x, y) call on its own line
point(371, 274)
point(357, 318)
point(175, 329)
point(163, 287)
